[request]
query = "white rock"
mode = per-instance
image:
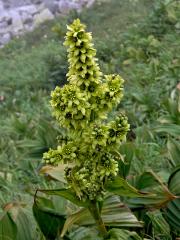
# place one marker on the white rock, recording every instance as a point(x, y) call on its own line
point(40, 7)
point(5, 38)
point(37, 1)
point(17, 24)
point(3, 24)
point(64, 6)
point(1, 7)
point(26, 17)
point(43, 16)
point(19, 16)
point(4, 30)
point(4, 16)
point(51, 5)
point(31, 9)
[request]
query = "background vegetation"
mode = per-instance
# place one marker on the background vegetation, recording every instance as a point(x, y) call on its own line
point(139, 40)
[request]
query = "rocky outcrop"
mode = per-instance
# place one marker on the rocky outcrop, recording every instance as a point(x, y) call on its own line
point(20, 16)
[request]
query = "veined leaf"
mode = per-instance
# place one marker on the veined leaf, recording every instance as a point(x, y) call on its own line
point(160, 226)
point(50, 222)
point(121, 187)
point(21, 219)
point(174, 181)
point(174, 151)
point(84, 233)
point(67, 194)
point(127, 151)
point(121, 234)
point(149, 181)
point(172, 129)
point(114, 213)
point(8, 229)
point(172, 212)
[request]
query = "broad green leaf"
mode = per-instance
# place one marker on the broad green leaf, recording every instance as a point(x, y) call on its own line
point(22, 221)
point(174, 181)
point(114, 213)
point(121, 234)
point(171, 129)
point(172, 212)
point(149, 181)
point(161, 228)
point(121, 187)
point(164, 175)
point(67, 194)
point(174, 151)
point(84, 233)
point(8, 229)
point(127, 151)
point(50, 222)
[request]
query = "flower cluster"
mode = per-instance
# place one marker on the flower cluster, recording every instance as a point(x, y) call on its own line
point(63, 154)
point(82, 107)
point(88, 178)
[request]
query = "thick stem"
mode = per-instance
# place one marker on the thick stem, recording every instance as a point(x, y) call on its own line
point(94, 210)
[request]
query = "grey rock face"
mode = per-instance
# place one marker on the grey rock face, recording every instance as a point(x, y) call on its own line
point(5, 38)
point(26, 17)
point(51, 5)
point(17, 24)
point(19, 16)
point(65, 6)
point(43, 16)
point(15, 3)
point(31, 9)
point(1, 7)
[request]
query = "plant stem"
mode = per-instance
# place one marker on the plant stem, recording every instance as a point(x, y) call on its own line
point(94, 210)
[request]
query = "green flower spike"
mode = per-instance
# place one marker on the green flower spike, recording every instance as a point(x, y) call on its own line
point(81, 107)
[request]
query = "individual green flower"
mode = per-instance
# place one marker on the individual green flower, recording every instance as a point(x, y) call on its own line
point(53, 157)
point(114, 90)
point(69, 105)
point(118, 129)
point(69, 152)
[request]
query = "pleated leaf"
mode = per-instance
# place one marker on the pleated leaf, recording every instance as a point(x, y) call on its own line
point(149, 181)
point(114, 213)
point(8, 229)
point(121, 187)
point(161, 228)
point(85, 233)
point(172, 129)
point(49, 220)
point(21, 219)
point(121, 234)
point(67, 194)
point(172, 212)
point(174, 151)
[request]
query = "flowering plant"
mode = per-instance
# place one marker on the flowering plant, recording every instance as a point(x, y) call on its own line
point(90, 148)
point(81, 107)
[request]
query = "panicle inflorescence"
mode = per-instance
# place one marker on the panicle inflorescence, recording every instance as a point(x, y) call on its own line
point(81, 107)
